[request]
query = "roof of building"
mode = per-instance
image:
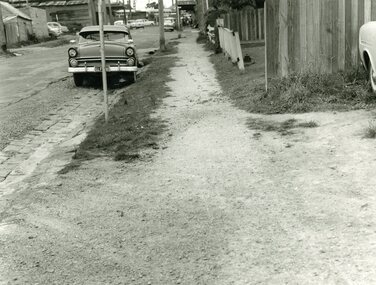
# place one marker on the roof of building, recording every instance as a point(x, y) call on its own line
point(11, 11)
point(106, 28)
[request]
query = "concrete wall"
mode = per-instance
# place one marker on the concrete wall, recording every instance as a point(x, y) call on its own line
point(39, 21)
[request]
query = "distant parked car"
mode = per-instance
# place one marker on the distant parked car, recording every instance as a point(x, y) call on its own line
point(169, 24)
point(121, 57)
point(53, 31)
point(136, 24)
point(147, 22)
point(58, 26)
point(367, 48)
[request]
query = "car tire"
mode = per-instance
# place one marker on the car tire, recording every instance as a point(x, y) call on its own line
point(78, 79)
point(132, 77)
point(372, 79)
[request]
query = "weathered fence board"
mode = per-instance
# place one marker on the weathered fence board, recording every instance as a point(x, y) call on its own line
point(315, 35)
point(248, 22)
point(230, 44)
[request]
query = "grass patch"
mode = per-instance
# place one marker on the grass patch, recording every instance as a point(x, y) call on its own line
point(202, 38)
point(131, 127)
point(298, 93)
point(370, 131)
point(283, 128)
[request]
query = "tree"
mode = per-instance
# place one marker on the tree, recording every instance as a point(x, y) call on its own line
point(152, 5)
point(237, 4)
point(3, 41)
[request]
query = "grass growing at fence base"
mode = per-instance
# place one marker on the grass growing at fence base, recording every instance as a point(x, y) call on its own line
point(298, 93)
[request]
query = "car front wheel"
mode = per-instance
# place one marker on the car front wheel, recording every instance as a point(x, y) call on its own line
point(78, 79)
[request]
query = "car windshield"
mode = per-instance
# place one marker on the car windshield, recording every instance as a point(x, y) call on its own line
point(108, 36)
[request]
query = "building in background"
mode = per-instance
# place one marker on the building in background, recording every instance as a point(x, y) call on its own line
point(18, 27)
point(38, 21)
point(74, 14)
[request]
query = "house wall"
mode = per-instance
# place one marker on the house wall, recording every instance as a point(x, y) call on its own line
point(39, 21)
point(312, 35)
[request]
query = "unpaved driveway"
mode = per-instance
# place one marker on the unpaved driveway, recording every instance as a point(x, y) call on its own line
point(215, 205)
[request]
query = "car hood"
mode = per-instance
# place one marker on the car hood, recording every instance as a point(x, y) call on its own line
point(111, 49)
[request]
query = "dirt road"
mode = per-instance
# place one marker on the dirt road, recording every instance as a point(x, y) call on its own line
point(218, 204)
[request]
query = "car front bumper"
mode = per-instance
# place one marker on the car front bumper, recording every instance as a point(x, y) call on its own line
point(93, 69)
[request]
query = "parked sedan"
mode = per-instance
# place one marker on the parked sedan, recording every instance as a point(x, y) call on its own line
point(367, 48)
point(121, 58)
point(169, 24)
point(136, 24)
point(53, 29)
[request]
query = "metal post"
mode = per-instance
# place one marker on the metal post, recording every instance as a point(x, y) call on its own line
point(103, 60)
point(266, 46)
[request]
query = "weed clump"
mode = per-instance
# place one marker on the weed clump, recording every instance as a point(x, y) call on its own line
point(297, 93)
point(370, 131)
point(315, 91)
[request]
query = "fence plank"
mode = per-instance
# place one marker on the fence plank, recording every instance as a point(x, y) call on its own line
point(283, 38)
point(367, 11)
point(373, 10)
point(303, 34)
point(272, 38)
point(334, 38)
point(293, 23)
point(341, 35)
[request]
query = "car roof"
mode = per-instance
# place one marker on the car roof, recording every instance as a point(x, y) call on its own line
point(106, 28)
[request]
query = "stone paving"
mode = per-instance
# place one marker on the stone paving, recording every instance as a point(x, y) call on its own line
point(70, 122)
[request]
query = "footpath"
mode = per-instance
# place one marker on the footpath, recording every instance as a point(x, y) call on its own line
point(215, 205)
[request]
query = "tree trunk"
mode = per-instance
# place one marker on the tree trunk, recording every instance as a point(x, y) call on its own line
point(3, 39)
point(162, 41)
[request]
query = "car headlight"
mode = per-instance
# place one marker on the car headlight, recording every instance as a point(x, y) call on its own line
point(73, 62)
point(129, 51)
point(131, 61)
point(72, 52)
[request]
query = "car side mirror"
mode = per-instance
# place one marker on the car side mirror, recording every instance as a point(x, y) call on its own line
point(72, 41)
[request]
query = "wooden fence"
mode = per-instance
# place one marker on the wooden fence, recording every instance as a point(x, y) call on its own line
point(230, 44)
point(249, 23)
point(314, 35)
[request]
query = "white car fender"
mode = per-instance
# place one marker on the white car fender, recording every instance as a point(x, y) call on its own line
point(367, 42)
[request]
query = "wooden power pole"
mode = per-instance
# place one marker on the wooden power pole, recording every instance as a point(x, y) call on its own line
point(103, 60)
point(162, 41)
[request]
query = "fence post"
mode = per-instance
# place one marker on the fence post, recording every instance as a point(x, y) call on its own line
point(239, 53)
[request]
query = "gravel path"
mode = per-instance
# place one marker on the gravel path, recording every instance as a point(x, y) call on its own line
point(215, 205)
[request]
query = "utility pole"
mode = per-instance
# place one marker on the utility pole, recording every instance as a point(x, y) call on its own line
point(125, 15)
point(162, 41)
point(103, 60)
point(111, 19)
